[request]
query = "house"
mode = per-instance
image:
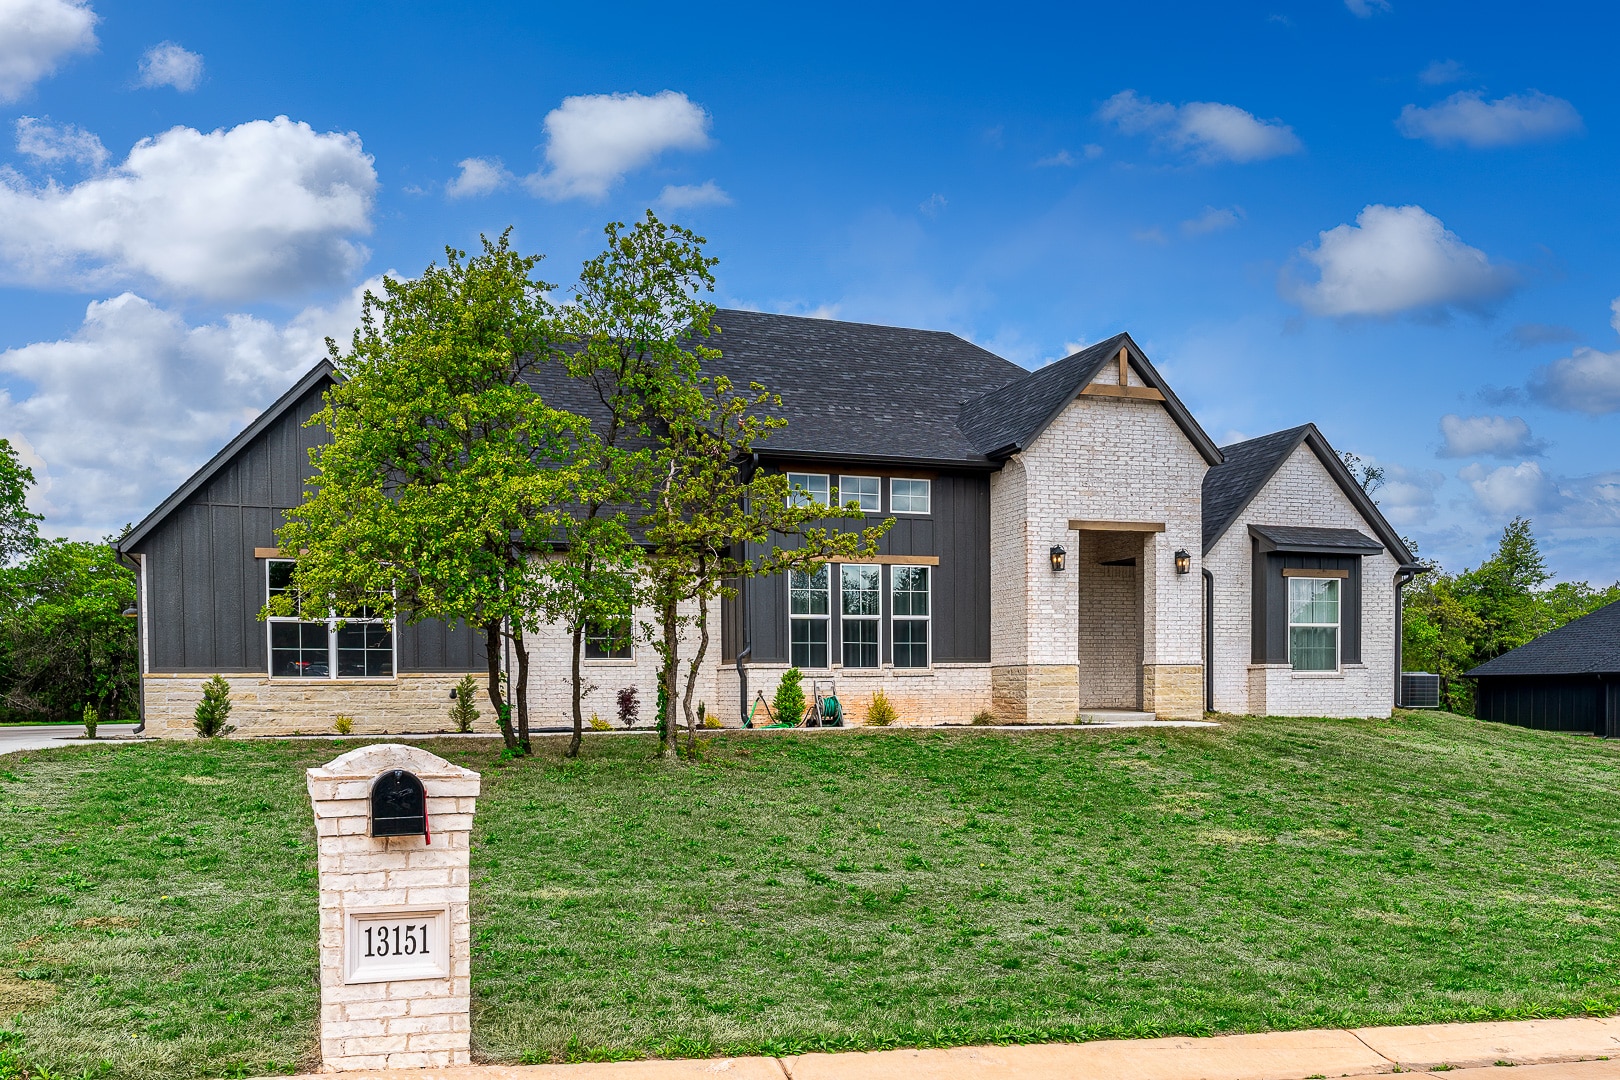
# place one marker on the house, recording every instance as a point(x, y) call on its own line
point(1564, 680)
point(1065, 541)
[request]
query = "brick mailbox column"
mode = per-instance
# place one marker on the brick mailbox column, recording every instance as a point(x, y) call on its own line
point(395, 931)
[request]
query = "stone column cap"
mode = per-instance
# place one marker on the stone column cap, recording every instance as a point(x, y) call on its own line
point(369, 762)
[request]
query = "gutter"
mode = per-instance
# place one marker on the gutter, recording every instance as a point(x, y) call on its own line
point(137, 563)
point(1403, 577)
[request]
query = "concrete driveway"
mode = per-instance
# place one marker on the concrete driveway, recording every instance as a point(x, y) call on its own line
point(45, 736)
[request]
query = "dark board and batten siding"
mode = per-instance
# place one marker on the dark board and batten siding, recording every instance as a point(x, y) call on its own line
point(1589, 704)
point(957, 532)
point(206, 587)
point(1269, 626)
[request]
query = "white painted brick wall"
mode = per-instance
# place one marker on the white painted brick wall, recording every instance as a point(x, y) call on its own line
point(1301, 493)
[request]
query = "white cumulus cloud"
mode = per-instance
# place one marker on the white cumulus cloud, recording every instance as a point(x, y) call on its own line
point(1408, 495)
point(167, 64)
point(1587, 381)
point(478, 176)
point(1510, 490)
point(1394, 259)
point(50, 143)
point(122, 411)
point(1208, 131)
point(593, 140)
point(35, 36)
point(267, 207)
point(687, 196)
point(1487, 436)
point(1467, 119)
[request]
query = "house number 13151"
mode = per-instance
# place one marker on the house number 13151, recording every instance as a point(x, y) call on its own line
point(407, 940)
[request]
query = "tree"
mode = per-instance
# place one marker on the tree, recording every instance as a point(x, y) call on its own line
point(65, 636)
point(445, 483)
point(1369, 476)
point(1503, 592)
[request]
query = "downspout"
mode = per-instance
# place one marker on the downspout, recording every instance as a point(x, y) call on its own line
point(1209, 641)
point(137, 563)
point(1402, 577)
point(747, 649)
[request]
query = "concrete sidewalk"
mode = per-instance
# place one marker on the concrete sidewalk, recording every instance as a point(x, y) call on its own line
point(1576, 1049)
point(47, 736)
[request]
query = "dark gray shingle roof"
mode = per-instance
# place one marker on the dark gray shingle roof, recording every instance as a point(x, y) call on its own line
point(1589, 645)
point(1310, 538)
point(1229, 486)
point(1009, 418)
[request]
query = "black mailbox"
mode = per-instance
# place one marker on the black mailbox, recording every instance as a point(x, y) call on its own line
point(398, 805)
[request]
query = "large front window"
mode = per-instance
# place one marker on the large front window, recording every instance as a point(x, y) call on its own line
point(860, 613)
point(809, 612)
point(361, 647)
point(808, 489)
point(1313, 623)
point(910, 618)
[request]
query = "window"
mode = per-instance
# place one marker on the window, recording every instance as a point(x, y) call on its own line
point(809, 612)
point(609, 642)
point(862, 591)
point(1313, 623)
point(909, 496)
point(301, 648)
point(860, 489)
point(807, 489)
point(910, 616)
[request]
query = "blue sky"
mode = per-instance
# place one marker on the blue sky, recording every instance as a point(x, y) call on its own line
point(1394, 219)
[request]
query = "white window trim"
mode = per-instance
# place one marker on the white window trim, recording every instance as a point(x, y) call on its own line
point(793, 491)
point(1338, 628)
point(896, 618)
point(331, 622)
point(913, 513)
point(878, 509)
point(607, 661)
point(878, 618)
point(825, 620)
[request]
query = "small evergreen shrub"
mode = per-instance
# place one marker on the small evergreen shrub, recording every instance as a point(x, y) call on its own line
point(629, 707)
point(881, 712)
point(464, 713)
point(343, 725)
point(214, 709)
point(599, 724)
point(984, 718)
point(705, 720)
point(91, 719)
point(789, 702)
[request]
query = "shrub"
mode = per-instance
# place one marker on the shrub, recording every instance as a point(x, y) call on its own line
point(881, 712)
point(789, 702)
point(464, 713)
point(705, 720)
point(984, 718)
point(214, 709)
point(629, 707)
point(343, 725)
point(599, 724)
point(91, 719)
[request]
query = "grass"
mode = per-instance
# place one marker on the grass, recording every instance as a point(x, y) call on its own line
point(871, 889)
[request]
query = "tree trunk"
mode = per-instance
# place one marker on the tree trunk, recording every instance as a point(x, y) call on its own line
point(669, 676)
point(521, 648)
point(492, 646)
point(691, 679)
point(579, 677)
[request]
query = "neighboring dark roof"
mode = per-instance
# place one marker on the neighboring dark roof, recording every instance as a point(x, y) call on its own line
point(1300, 538)
point(313, 377)
point(1009, 419)
point(1589, 645)
point(1249, 466)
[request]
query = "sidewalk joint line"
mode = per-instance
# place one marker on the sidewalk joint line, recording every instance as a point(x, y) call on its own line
point(783, 1065)
point(1370, 1046)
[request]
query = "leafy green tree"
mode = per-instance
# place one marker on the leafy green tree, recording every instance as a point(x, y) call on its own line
point(66, 640)
point(1440, 631)
point(1502, 591)
point(444, 487)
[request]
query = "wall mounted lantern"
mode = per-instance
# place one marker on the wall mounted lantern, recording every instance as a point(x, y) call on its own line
point(130, 613)
point(1183, 562)
point(1058, 555)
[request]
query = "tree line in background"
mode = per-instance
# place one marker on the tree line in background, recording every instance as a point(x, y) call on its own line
point(1453, 622)
point(67, 651)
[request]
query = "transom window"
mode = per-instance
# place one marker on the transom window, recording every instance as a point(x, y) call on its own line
point(808, 489)
point(609, 642)
point(1313, 623)
point(910, 615)
point(860, 613)
point(909, 496)
point(860, 489)
point(809, 613)
point(305, 648)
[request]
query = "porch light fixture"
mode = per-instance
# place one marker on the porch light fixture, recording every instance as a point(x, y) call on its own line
point(1183, 562)
point(1058, 555)
point(130, 613)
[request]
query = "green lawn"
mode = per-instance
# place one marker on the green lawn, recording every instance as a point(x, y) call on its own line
point(843, 890)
